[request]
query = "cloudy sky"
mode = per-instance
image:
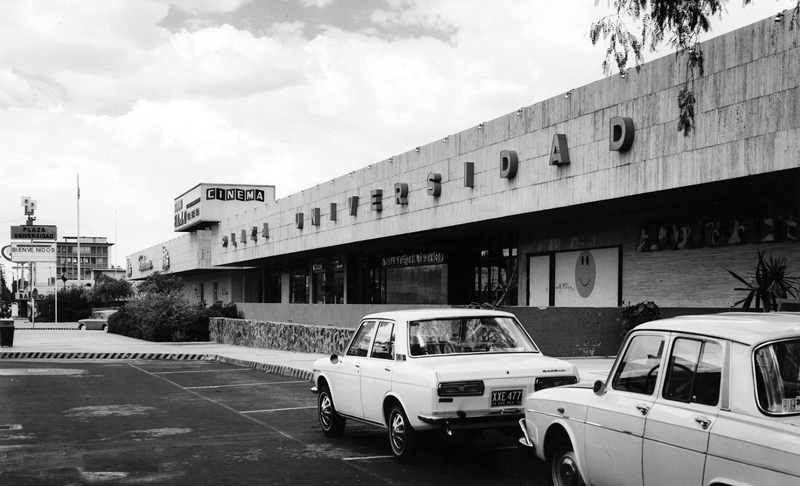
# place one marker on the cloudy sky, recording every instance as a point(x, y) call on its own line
point(144, 99)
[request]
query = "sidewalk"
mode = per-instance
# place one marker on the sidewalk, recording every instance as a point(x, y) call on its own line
point(65, 341)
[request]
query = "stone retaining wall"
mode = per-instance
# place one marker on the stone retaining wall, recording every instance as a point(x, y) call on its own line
point(279, 335)
point(561, 332)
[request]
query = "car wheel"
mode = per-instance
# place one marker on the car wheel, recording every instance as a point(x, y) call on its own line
point(401, 435)
point(331, 423)
point(81, 327)
point(564, 467)
point(105, 327)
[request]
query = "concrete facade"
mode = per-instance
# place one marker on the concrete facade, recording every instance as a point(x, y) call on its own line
point(741, 164)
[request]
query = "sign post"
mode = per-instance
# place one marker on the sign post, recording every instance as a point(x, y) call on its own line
point(39, 245)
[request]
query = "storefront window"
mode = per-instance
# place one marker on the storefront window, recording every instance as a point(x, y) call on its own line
point(329, 288)
point(424, 284)
point(328, 280)
point(496, 275)
point(298, 288)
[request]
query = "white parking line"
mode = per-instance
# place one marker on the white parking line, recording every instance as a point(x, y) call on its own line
point(242, 384)
point(366, 458)
point(278, 409)
point(196, 371)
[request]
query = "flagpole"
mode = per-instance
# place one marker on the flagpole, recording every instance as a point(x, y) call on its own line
point(78, 239)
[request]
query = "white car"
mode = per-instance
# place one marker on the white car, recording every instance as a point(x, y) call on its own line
point(694, 400)
point(448, 369)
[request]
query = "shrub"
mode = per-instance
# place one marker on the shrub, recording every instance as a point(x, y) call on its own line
point(218, 309)
point(163, 317)
point(632, 315)
point(162, 311)
point(123, 323)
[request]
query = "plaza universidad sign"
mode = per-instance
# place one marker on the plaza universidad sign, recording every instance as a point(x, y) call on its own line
point(33, 252)
point(34, 232)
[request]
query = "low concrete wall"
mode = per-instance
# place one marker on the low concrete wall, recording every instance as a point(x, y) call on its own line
point(573, 332)
point(558, 331)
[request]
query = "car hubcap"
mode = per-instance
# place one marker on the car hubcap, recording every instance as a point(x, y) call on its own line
point(398, 432)
point(325, 411)
point(567, 472)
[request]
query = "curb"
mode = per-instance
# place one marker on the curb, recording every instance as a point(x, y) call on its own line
point(265, 367)
point(154, 356)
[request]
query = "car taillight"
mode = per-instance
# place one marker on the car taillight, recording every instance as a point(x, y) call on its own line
point(550, 382)
point(461, 389)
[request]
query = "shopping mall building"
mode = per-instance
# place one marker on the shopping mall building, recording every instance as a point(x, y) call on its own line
point(561, 211)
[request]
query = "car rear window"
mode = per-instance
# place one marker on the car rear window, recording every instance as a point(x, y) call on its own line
point(777, 372)
point(468, 335)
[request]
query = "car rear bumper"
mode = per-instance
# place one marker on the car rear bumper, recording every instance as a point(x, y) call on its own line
point(507, 417)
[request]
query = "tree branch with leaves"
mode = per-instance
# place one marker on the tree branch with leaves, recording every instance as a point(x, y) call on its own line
point(638, 25)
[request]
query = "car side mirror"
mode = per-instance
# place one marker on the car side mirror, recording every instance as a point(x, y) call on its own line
point(599, 388)
point(334, 358)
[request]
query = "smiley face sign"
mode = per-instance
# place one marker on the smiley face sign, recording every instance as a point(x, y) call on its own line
point(585, 274)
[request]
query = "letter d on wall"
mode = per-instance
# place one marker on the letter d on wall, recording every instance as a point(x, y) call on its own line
point(620, 134)
point(508, 164)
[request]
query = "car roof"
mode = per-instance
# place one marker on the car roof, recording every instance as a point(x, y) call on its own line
point(435, 313)
point(744, 327)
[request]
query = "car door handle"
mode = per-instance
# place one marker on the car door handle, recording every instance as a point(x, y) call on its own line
point(357, 365)
point(643, 408)
point(704, 422)
point(387, 369)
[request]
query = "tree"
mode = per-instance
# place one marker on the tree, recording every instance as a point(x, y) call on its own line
point(108, 291)
point(681, 21)
point(160, 283)
point(72, 306)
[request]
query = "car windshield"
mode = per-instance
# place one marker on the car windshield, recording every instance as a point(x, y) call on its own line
point(777, 370)
point(468, 335)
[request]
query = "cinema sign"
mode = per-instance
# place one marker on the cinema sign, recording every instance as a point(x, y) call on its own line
point(210, 203)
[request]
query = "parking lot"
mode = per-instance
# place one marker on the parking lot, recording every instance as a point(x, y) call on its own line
point(205, 422)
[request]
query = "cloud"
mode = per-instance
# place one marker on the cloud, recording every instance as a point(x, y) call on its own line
point(317, 3)
point(207, 6)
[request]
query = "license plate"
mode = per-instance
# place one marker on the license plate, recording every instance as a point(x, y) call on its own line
point(505, 398)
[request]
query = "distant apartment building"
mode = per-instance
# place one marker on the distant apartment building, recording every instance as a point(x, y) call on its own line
point(93, 256)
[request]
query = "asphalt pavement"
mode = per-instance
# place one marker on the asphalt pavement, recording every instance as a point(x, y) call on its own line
point(65, 341)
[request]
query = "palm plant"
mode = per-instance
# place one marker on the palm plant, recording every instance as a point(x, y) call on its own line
point(769, 285)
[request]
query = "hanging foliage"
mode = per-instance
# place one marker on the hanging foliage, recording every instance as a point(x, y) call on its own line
point(680, 22)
